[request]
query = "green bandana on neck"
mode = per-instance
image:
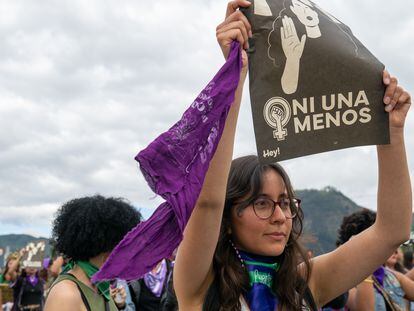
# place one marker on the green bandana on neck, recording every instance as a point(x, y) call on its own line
point(261, 270)
point(90, 270)
point(263, 277)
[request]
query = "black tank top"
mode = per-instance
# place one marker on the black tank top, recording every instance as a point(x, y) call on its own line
point(31, 295)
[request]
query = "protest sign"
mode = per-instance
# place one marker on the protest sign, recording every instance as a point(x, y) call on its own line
point(314, 87)
point(33, 255)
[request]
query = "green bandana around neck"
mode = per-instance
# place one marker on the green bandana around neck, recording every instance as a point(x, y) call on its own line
point(90, 270)
point(263, 277)
point(261, 270)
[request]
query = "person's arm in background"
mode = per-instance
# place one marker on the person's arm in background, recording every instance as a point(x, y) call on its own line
point(122, 288)
point(410, 274)
point(363, 296)
point(406, 284)
point(128, 302)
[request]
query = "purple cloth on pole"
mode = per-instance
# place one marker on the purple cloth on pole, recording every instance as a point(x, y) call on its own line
point(175, 165)
point(46, 263)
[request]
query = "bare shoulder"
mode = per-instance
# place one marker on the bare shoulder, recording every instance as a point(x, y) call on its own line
point(64, 296)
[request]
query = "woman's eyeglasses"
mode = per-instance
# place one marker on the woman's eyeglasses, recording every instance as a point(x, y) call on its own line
point(265, 207)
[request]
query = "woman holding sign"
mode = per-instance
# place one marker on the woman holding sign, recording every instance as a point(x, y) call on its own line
point(240, 249)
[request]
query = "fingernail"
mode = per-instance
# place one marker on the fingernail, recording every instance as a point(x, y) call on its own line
point(387, 81)
point(387, 100)
point(388, 108)
point(250, 33)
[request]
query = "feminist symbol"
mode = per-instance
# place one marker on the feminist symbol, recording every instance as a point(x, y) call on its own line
point(277, 114)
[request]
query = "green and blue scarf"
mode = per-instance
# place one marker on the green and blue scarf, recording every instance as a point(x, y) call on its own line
point(261, 271)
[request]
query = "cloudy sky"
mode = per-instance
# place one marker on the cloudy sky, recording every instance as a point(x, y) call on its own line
point(85, 85)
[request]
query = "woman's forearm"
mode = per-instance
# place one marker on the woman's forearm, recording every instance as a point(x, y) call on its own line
point(202, 230)
point(394, 190)
point(215, 183)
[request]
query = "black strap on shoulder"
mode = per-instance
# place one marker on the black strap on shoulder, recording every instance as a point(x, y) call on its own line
point(309, 299)
point(85, 301)
point(107, 308)
point(307, 295)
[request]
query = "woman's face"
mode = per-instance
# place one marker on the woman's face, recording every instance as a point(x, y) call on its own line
point(31, 271)
point(10, 263)
point(392, 260)
point(263, 237)
point(400, 255)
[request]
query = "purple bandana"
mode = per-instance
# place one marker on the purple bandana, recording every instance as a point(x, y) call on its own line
point(32, 280)
point(46, 263)
point(175, 165)
point(379, 274)
point(155, 280)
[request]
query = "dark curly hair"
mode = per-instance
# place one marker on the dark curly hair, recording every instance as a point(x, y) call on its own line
point(86, 227)
point(354, 224)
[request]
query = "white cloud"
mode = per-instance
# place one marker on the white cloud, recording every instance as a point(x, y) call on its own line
point(85, 85)
point(28, 215)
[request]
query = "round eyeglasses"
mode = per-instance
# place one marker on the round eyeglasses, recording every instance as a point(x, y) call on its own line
point(265, 207)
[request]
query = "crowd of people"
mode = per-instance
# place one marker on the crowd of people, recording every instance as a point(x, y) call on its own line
point(66, 279)
point(241, 247)
point(85, 230)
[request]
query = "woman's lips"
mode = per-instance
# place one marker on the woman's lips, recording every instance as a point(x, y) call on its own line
point(276, 235)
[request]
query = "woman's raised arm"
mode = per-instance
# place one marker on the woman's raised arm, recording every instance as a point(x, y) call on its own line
point(193, 266)
point(336, 272)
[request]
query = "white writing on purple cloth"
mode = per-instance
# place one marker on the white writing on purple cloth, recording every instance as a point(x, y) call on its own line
point(208, 148)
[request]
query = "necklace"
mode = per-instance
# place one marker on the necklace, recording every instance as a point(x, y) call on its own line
point(237, 253)
point(261, 272)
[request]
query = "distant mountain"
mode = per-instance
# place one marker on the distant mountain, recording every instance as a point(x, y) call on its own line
point(12, 242)
point(324, 210)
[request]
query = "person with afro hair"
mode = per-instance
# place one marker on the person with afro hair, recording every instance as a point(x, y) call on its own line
point(85, 231)
point(354, 224)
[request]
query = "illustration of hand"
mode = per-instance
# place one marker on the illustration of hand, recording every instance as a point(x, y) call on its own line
point(292, 47)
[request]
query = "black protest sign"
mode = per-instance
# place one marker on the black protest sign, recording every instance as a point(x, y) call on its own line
point(33, 255)
point(314, 87)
